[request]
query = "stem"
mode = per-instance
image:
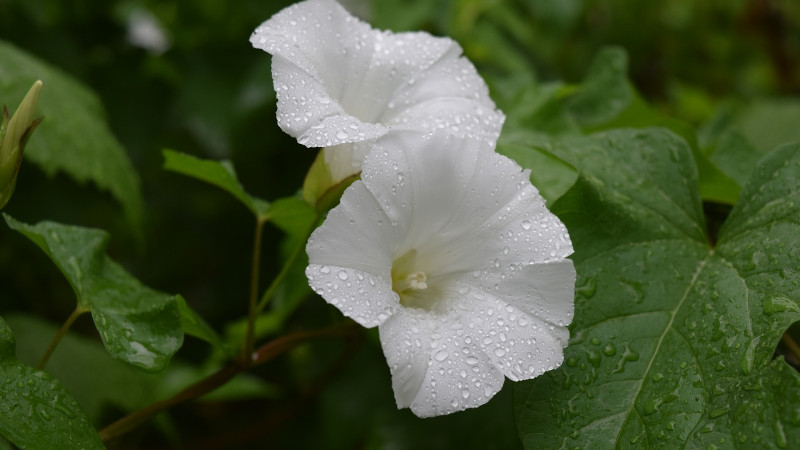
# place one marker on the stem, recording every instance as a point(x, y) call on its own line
point(265, 353)
point(286, 267)
point(60, 334)
point(791, 344)
point(247, 348)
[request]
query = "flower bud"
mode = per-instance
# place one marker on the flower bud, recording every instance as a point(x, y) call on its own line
point(14, 134)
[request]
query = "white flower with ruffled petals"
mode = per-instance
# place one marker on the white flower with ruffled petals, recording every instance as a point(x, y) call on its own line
point(342, 84)
point(448, 248)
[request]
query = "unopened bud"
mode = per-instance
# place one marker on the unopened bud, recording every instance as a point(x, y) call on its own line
point(14, 134)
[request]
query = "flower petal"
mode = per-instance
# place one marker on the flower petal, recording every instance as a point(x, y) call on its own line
point(338, 81)
point(519, 324)
point(350, 258)
point(434, 368)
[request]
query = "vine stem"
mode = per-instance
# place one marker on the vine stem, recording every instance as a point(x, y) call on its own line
point(791, 344)
point(59, 335)
point(286, 267)
point(247, 347)
point(261, 355)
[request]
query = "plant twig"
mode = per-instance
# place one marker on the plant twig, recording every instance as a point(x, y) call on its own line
point(793, 347)
point(247, 347)
point(286, 267)
point(261, 355)
point(60, 334)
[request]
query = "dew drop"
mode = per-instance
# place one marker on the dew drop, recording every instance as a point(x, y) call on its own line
point(441, 356)
point(342, 275)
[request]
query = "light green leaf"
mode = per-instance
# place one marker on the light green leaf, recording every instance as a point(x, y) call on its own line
point(292, 215)
point(137, 324)
point(218, 173)
point(672, 341)
point(605, 92)
point(552, 176)
point(35, 409)
point(734, 156)
point(74, 137)
point(194, 325)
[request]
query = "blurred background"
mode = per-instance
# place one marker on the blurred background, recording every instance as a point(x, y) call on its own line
point(182, 75)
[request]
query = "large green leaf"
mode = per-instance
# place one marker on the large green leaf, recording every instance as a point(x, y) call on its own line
point(219, 173)
point(74, 137)
point(672, 339)
point(35, 409)
point(137, 324)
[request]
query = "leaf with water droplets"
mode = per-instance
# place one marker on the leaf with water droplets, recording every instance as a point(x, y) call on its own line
point(673, 340)
point(74, 137)
point(35, 409)
point(138, 325)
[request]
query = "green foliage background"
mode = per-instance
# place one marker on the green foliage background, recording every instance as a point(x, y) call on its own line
point(722, 75)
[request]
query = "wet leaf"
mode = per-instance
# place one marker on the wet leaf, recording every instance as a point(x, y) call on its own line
point(74, 138)
point(218, 173)
point(94, 378)
point(138, 325)
point(672, 340)
point(35, 409)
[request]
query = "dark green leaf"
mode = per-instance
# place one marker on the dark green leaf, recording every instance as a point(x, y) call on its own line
point(137, 324)
point(74, 136)
point(84, 367)
point(94, 378)
point(35, 409)
point(218, 173)
point(672, 340)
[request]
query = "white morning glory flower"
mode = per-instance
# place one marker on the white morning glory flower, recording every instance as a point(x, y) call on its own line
point(341, 84)
point(447, 247)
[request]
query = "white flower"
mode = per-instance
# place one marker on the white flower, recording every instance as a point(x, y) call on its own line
point(341, 84)
point(449, 249)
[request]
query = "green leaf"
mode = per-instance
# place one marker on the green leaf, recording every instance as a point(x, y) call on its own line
point(605, 92)
point(672, 340)
point(292, 215)
point(35, 409)
point(137, 324)
point(734, 156)
point(194, 325)
point(74, 137)
point(94, 378)
point(552, 176)
point(84, 367)
point(218, 173)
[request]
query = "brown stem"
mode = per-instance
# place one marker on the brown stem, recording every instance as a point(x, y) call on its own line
point(60, 334)
point(263, 354)
point(791, 345)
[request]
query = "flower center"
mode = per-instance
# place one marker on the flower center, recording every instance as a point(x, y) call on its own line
point(415, 281)
point(407, 280)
